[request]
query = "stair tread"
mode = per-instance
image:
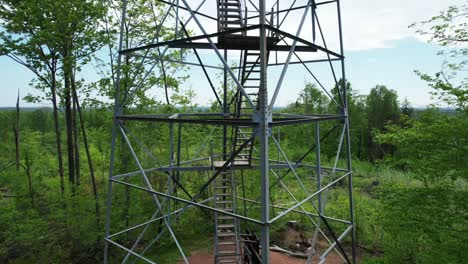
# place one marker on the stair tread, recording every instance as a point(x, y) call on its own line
point(227, 253)
point(225, 217)
point(226, 234)
point(227, 243)
point(226, 225)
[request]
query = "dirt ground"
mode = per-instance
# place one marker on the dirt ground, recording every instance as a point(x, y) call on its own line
point(202, 257)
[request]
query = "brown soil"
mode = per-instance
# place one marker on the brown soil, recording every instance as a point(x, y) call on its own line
point(202, 257)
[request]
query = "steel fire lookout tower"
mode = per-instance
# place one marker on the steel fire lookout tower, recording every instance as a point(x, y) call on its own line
point(242, 179)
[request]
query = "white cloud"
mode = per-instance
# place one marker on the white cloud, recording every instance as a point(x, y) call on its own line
point(370, 24)
point(367, 24)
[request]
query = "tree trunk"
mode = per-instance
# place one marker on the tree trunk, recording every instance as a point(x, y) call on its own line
point(17, 134)
point(28, 174)
point(75, 140)
point(67, 74)
point(88, 154)
point(69, 125)
point(58, 139)
point(166, 88)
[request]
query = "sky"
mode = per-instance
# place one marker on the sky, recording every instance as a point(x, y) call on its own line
point(379, 49)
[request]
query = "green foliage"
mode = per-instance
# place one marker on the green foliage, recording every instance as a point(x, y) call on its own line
point(423, 225)
point(406, 108)
point(435, 146)
point(449, 29)
point(45, 36)
point(153, 72)
point(381, 109)
point(311, 100)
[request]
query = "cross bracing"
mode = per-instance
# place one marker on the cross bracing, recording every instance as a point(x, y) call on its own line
point(240, 139)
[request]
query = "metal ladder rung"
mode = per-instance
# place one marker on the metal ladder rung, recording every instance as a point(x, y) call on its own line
point(227, 234)
point(224, 194)
point(224, 202)
point(227, 243)
point(226, 261)
point(230, 22)
point(230, 16)
point(226, 226)
point(227, 253)
point(226, 217)
point(229, 10)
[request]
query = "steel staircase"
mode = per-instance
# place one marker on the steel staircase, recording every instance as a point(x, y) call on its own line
point(227, 238)
point(250, 80)
point(228, 241)
point(229, 15)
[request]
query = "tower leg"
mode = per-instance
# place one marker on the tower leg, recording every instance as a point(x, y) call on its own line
point(263, 138)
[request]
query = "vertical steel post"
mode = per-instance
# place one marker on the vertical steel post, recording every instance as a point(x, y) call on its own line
point(318, 171)
point(263, 133)
point(117, 111)
point(312, 13)
point(225, 106)
point(318, 167)
point(348, 140)
point(171, 169)
point(277, 23)
point(179, 145)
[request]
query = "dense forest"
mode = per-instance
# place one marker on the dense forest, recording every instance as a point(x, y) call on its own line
point(410, 165)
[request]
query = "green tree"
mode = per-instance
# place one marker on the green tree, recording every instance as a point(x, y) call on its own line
point(357, 117)
point(55, 39)
point(406, 108)
point(381, 109)
point(150, 70)
point(24, 39)
point(423, 224)
point(311, 100)
point(434, 147)
point(449, 30)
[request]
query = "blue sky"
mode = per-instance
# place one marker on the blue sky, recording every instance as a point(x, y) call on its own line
point(380, 49)
point(394, 67)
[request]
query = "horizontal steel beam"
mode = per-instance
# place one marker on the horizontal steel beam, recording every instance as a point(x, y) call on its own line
point(230, 122)
point(190, 39)
point(175, 61)
point(155, 219)
point(195, 204)
point(198, 45)
point(298, 211)
point(303, 41)
point(204, 168)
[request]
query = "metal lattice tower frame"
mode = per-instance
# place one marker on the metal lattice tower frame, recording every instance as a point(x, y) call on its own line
point(262, 33)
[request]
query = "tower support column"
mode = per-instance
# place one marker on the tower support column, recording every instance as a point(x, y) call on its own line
point(263, 134)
